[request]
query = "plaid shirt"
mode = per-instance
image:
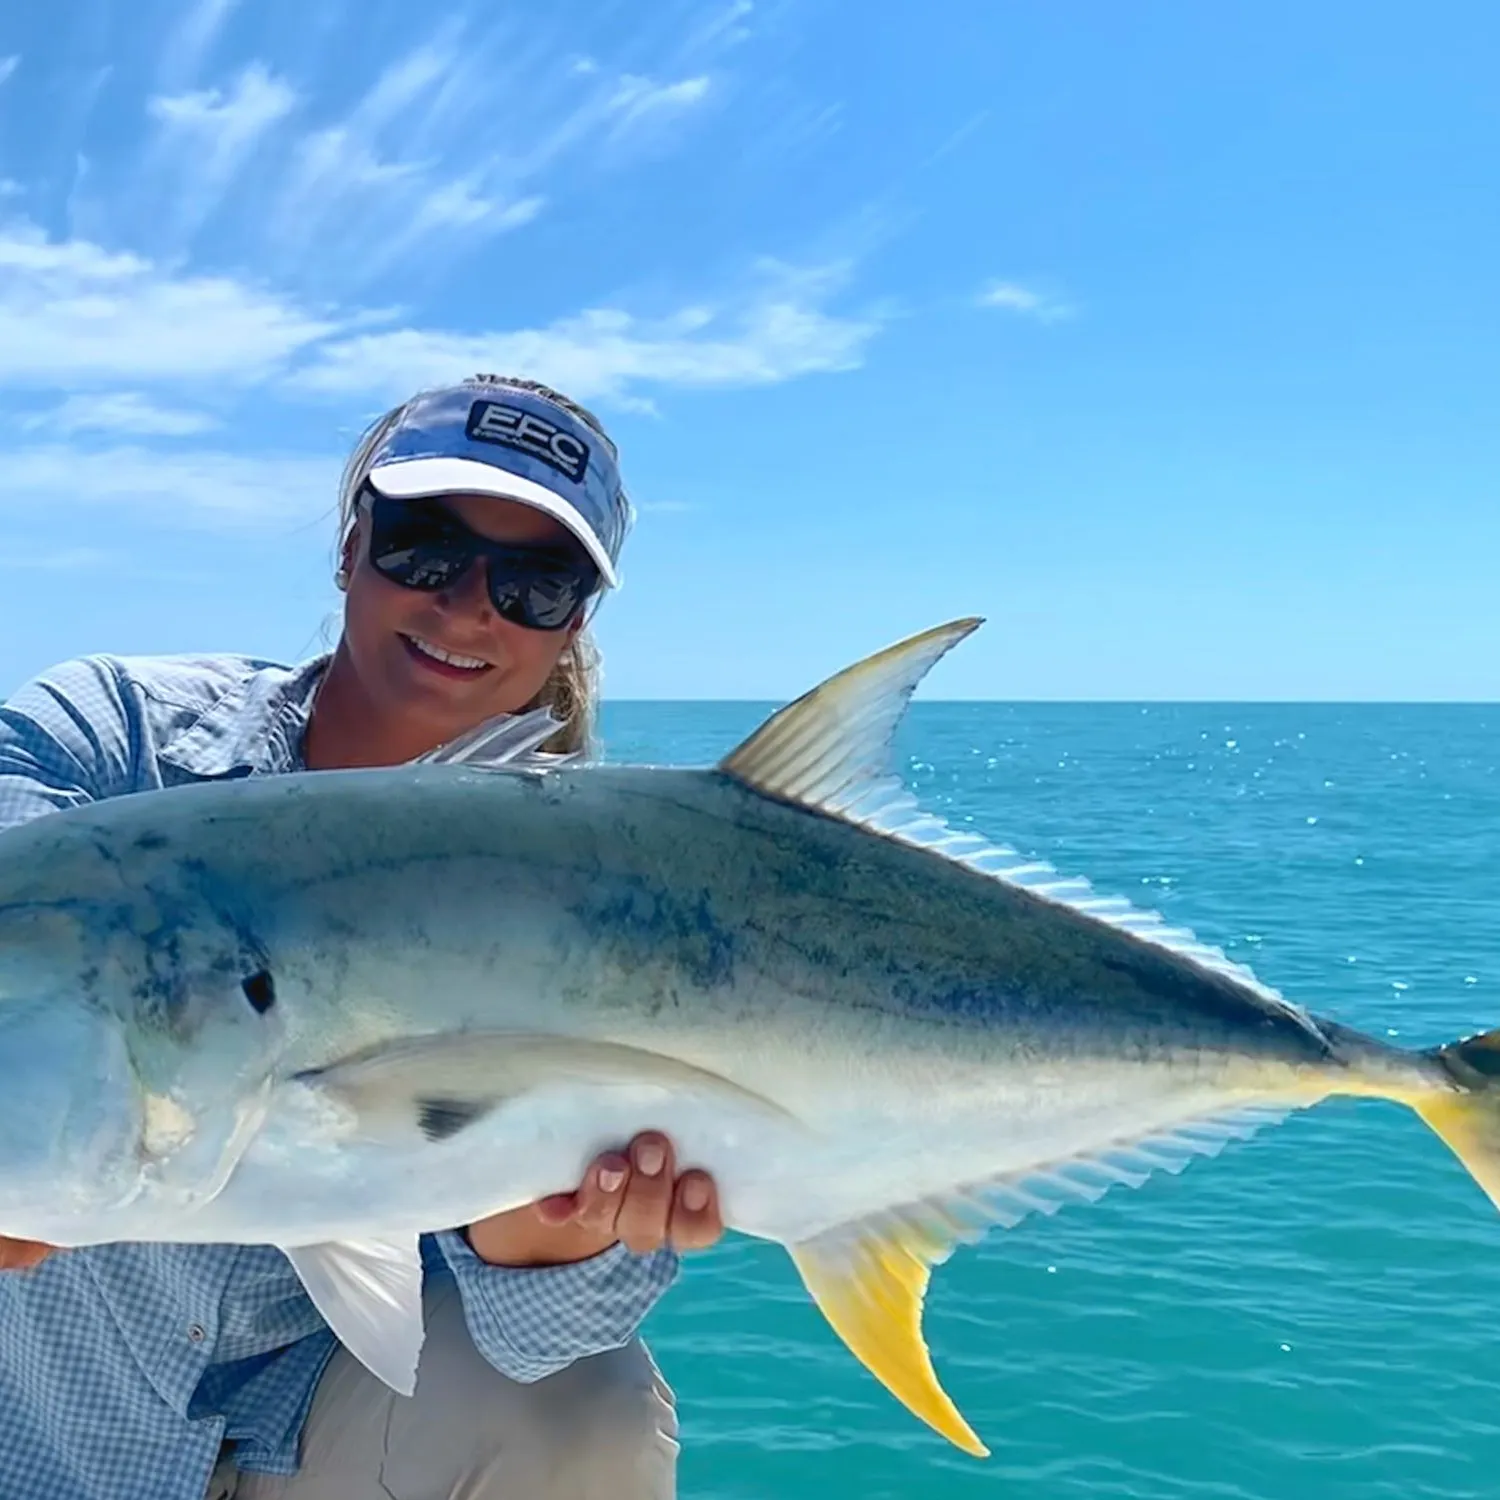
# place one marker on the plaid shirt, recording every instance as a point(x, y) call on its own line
point(123, 1368)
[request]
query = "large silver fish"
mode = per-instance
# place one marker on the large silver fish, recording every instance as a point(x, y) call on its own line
point(331, 1011)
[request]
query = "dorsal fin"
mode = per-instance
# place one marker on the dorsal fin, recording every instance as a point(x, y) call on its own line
point(838, 736)
point(829, 752)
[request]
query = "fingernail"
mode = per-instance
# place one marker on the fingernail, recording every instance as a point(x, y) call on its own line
point(610, 1179)
point(695, 1195)
point(650, 1158)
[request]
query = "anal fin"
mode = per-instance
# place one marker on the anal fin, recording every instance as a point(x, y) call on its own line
point(869, 1276)
point(869, 1282)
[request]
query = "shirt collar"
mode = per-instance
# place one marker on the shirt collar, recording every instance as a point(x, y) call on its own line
point(256, 728)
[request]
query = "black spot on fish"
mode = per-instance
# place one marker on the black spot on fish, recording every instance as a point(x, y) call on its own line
point(440, 1118)
point(151, 841)
point(260, 990)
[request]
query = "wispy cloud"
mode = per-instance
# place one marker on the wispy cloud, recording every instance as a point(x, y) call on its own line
point(70, 310)
point(364, 189)
point(455, 207)
point(1028, 302)
point(638, 101)
point(416, 164)
point(185, 49)
point(799, 127)
point(727, 27)
point(126, 412)
point(778, 334)
point(137, 354)
point(207, 136)
point(73, 313)
point(8, 65)
point(466, 133)
point(205, 489)
point(957, 138)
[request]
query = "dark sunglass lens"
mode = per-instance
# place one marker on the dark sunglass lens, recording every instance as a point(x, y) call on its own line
point(422, 547)
point(416, 548)
point(538, 599)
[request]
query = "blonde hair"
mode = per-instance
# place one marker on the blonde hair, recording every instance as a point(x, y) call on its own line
point(571, 690)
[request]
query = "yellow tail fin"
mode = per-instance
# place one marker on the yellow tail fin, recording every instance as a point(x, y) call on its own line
point(1468, 1120)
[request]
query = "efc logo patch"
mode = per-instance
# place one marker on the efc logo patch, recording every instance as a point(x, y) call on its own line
point(493, 422)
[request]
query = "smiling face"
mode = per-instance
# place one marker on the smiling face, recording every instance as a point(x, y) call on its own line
point(389, 677)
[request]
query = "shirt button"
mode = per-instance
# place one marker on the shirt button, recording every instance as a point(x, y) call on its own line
point(196, 1333)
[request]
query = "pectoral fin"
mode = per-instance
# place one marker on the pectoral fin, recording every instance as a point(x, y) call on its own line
point(438, 1086)
point(507, 740)
point(370, 1295)
point(869, 1281)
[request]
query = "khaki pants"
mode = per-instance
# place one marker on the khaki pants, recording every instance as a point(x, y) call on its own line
point(603, 1429)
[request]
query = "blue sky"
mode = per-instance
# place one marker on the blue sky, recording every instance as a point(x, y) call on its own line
point(1165, 336)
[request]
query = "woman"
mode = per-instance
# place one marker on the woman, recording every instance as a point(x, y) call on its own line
point(480, 524)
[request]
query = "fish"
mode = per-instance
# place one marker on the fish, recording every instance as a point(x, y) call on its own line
point(331, 1011)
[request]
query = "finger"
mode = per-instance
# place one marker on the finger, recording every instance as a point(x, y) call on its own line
point(601, 1194)
point(557, 1210)
point(647, 1205)
point(696, 1222)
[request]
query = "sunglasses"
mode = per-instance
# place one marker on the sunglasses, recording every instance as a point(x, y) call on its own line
point(420, 545)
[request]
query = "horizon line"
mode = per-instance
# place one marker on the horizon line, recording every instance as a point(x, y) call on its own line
point(1122, 702)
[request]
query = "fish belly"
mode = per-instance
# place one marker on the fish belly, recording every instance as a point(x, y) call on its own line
point(784, 1179)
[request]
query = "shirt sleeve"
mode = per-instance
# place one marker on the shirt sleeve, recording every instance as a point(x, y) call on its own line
point(65, 740)
point(534, 1321)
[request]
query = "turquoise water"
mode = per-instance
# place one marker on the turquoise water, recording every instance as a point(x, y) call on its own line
point(1316, 1312)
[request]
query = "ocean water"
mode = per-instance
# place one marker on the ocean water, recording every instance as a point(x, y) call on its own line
point(1313, 1314)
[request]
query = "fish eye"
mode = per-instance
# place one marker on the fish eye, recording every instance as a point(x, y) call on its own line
point(260, 991)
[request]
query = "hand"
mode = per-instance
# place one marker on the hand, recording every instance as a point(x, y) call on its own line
point(22, 1255)
point(635, 1198)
